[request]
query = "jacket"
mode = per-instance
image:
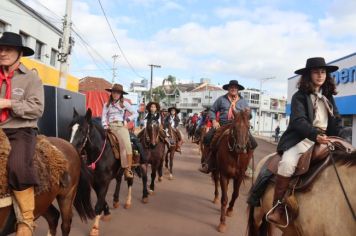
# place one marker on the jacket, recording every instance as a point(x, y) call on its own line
point(301, 122)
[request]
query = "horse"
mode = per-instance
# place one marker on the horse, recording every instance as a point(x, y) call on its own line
point(154, 148)
point(75, 192)
point(232, 155)
point(89, 137)
point(323, 209)
point(168, 158)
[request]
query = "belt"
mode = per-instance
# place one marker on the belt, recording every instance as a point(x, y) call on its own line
point(320, 131)
point(117, 122)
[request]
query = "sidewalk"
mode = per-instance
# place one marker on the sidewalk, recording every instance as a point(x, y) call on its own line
point(267, 139)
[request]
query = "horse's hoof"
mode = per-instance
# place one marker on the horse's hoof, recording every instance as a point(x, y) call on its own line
point(170, 177)
point(166, 171)
point(116, 205)
point(222, 228)
point(229, 213)
point(106, 218)
point(145, 200)
point(127, 205)
point(216, 200)
point(150, 192)
point(94, 231)
point(160, 179)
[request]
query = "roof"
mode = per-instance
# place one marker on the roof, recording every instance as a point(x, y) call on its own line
point(93, 84)
point(187, 87)
point(206, 87)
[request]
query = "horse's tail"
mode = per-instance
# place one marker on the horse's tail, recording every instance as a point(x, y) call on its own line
point(82, 201)
point(252, 228)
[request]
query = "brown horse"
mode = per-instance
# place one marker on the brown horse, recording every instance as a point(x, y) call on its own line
point(154, 148)
point(76, 192)
point(323, 210)
point(168, 159)
point(232, 157)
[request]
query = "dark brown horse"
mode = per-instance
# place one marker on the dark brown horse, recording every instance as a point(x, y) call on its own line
point(168, 159)
point(76, 192)
point(232, 156)
point(154, 147)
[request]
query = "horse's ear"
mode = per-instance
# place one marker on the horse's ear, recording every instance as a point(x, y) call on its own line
point(88, 115)
point(75, 113)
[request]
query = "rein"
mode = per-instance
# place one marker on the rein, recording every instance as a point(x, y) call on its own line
point(93, 165)
point(331, 147)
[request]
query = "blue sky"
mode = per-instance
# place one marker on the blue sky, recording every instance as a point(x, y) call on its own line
point(222, 40)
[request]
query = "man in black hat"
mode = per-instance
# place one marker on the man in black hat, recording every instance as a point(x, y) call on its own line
point(173, 120)
point(224, 105)
point(21, 105)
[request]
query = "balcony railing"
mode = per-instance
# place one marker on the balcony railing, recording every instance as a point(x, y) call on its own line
point(189, 104)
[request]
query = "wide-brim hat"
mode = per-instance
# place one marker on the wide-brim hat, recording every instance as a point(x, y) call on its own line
point(234, 83)
point(15, 40)
point(316, 62)
point(171, 108)
point(116, 88)
point(148, 106)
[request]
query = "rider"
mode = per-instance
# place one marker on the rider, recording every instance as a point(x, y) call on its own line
point(203, 120)
point(21, 104)
point(173, 120)
point(225, 105)
point(113, 118)
point(314, 115)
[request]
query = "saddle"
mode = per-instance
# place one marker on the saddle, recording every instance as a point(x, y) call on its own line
point(49, 163)
point(311, 163)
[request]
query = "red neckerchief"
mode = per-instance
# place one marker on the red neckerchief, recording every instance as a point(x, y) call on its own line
point(7, 80)
point(233, 101)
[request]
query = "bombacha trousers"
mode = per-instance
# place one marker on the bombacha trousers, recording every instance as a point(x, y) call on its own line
point(120, 131)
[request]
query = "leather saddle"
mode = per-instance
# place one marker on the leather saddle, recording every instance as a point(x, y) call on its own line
point(117, 145)
point(311, 163)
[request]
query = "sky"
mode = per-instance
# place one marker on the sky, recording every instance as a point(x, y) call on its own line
point(246, 40)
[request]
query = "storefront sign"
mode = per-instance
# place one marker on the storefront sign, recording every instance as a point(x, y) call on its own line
point(346, 75)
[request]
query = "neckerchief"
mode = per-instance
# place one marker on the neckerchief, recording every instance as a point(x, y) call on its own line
point(7, 80)
point(233, 101)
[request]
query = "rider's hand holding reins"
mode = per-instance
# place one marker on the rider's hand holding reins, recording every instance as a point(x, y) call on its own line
point(216, 124)
point(322, 139)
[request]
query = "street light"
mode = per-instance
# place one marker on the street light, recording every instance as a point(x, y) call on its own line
point(157, 66)
point(260, 101)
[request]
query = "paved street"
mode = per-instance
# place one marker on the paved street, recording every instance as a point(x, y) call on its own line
point(179, 207)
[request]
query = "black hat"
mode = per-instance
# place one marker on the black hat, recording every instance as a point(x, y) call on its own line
point(148, 106)
point(316, 62)
point(116, 88)
point(171, 108)
point(15, 40)
point(235, 83)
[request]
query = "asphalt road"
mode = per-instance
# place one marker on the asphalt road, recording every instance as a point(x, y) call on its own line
point(182, 206)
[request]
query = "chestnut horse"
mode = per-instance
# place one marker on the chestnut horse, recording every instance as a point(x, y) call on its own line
point(323, 210)
point(76, 192)
point(232, 156)
point(154, 148)
point(168, 159)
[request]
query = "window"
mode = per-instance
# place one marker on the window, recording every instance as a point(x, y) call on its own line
point(53, 57)
point(255, 96)
point(24, 37)
point(39, 50)
point(2, 27)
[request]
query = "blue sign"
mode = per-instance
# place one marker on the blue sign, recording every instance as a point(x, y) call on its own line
point(344, 76)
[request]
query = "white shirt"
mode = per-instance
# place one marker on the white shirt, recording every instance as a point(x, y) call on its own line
point(117, 113)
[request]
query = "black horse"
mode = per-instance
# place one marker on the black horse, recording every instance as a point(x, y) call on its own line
point(90, 139)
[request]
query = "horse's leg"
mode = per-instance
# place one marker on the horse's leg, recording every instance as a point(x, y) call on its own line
point(153, 177)
point(160, 169)
point(129, 192)
point(144, 183)
point(65, 204)
point(216, 185)
point(171, 156)
point(118, 178)
point(235, 194)
point(107, 215)
point(224, 182)
point(52, 216)
point(166, 163)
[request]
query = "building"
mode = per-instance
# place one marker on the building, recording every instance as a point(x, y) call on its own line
point(39, 34)
point(345, 79)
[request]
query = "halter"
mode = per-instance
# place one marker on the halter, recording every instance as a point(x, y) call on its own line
point(234, 146)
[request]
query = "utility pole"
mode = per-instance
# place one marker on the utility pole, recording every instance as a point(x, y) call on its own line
point(156, 66)
point(114, 68)
point(65, 44)
point(260, 101)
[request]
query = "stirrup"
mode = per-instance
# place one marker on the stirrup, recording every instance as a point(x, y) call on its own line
point(272, 209)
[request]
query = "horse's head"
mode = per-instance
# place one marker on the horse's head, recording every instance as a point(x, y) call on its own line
point(152, 130)
point(240, 128)
point(81, 127)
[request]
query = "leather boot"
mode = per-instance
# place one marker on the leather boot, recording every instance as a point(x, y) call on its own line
point(168, 142)
point(26, 202)
point(179, 144)
point(206, 165)
point(128, 172)
point(278, 215)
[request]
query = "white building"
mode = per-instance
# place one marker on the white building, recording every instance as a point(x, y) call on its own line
point(37, 33)
point(346, 86)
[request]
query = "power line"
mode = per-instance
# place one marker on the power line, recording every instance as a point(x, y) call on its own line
point(117, 42)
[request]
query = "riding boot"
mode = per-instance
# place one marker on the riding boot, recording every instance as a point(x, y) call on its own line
point(168, 142)
point(128, 172)
point(179, 144)
point(26, 202)
point(206, 165)
point(278, 215)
